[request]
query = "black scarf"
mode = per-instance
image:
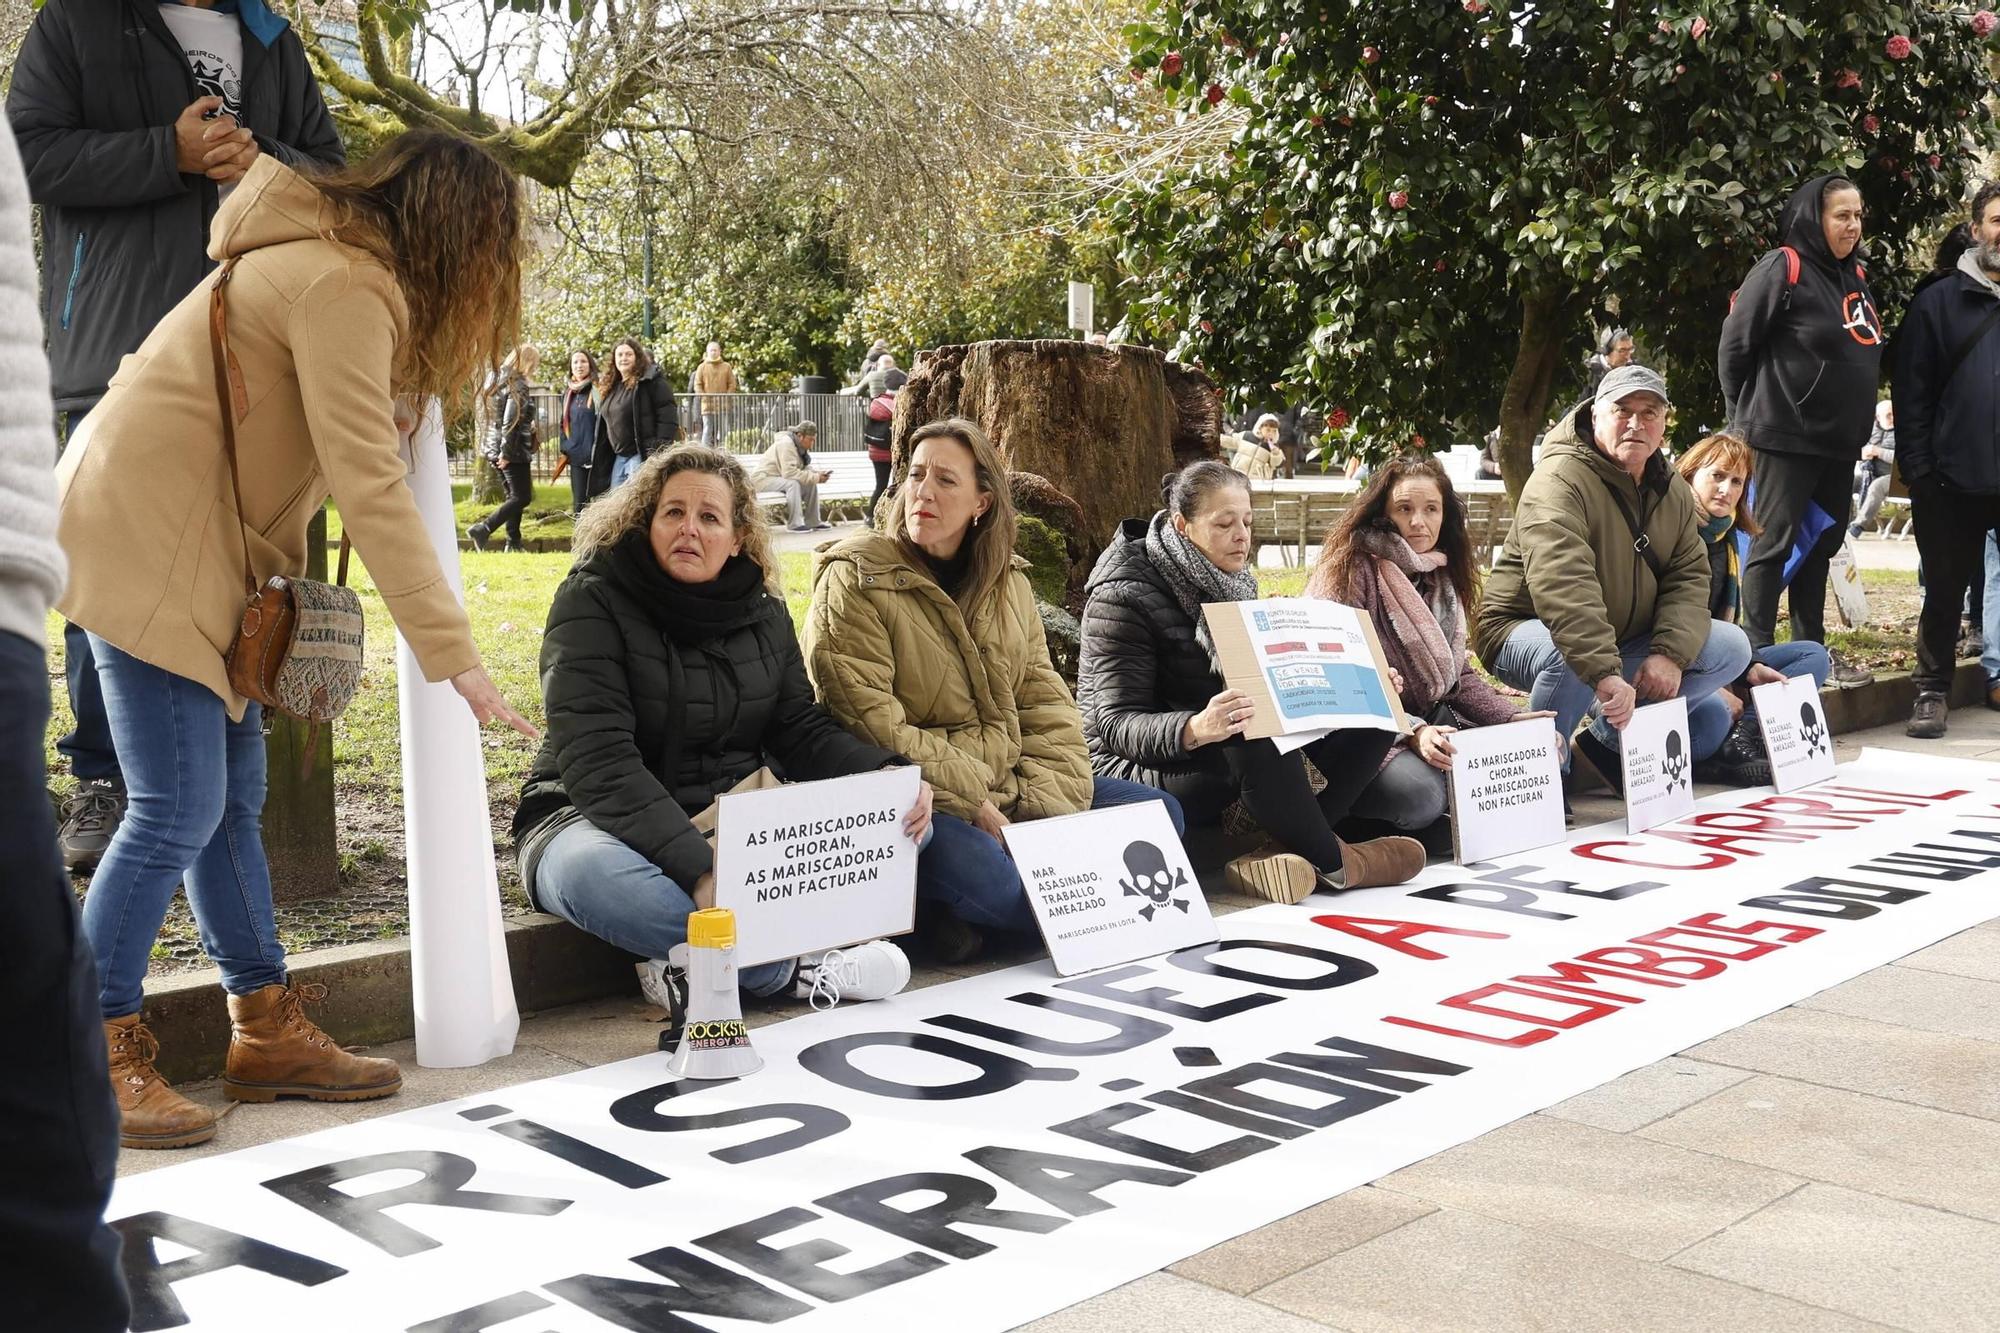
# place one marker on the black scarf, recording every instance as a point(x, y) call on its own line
point(689, 613)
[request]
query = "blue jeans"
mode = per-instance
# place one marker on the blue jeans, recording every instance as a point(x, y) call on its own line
point(970, 873)
point(598, 883)
point(195, 785)
point(1989, 657)
point(622, 468)
point(88, 747)
point(1530, 661)
point(1708, 721)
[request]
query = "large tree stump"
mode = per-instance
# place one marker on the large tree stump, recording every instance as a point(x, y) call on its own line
point(299, 836)
point(1103, 424)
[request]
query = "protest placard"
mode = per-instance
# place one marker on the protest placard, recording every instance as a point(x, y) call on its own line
point(817, 865)
point(1659, 765)
point(1110, 886)
point(1506, 789)
point(1796, 737)
point(1309, 666)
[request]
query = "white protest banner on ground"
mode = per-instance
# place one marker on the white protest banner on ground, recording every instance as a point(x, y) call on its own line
point(1110, 886)
point(1309, 666)
point(976, 1154)
point(1659, 768)
point(817, 865)
point(1506, 789)
point(1796, 737)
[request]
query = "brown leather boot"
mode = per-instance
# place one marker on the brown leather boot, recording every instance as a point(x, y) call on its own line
point(1378, 862)
point(150, 1113)
point(276, 1051)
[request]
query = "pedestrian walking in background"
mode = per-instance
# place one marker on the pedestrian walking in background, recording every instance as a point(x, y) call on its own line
point(1877, 467)
point(1948, 419)
point(578, 426)
point(713, 377)
point(513, 432)
point(58, 1260)
point(1800, 360)
point(876, 433)
point(786, 469)
point(129, 171)
point(394, 278)
point(636, 414)
point(871, 381)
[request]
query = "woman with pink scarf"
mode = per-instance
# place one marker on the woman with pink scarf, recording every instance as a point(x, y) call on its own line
point(1402, 554)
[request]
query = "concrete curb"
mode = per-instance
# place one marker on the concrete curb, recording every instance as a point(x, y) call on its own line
point(1887, 701)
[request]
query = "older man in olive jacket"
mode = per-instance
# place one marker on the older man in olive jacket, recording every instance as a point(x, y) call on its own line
point(1600, 600)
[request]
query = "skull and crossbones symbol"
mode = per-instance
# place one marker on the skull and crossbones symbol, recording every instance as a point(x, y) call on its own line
point(1812, 728)
point(1675, 763)
point(1152, 879)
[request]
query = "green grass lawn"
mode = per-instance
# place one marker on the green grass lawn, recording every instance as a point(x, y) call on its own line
point(548, 517)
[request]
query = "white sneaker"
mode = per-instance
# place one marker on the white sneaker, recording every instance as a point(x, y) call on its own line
point(663, 981)
point(872, 971)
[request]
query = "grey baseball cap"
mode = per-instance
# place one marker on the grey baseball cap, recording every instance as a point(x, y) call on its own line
point(1632, 379)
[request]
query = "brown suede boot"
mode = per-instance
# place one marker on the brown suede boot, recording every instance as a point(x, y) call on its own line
point(1378, 862)
point(276, 1051)
point(150, 1113)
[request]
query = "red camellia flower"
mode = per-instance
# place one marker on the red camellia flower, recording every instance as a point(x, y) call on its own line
point(1338, 418)
point(1777, 77)
point(1897, 47)
point(1699, 28)
point(1441, 266)
point(1416, 441)
point(1430, 101)
point(1399, 199)
point(1935, 161)
point(1475, 6)
point(1170, 65)
point(1208, 326)
point(1983, 23)
point(1215, 94)
point(1371, 54)
point(1846, 78)
point(1869, 124)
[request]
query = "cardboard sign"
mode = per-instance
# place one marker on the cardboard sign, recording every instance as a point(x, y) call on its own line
point(1796, 737)
point(1309, 666)
point(817, 865)
point(1110, 886)
point(982, 1152)
point(1506, 789)
point(1659, 765)
point(1849, 597)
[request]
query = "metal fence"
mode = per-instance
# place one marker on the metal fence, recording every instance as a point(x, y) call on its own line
point(743, 423)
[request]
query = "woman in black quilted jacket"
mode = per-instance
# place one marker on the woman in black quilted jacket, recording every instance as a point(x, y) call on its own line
point(671, 673)
point(1155, 709)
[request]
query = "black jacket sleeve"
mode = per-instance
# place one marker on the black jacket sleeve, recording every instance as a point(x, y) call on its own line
point(69, 164)
point(666, 414)
point(1121, 656)
point(1747, 327)
point(1919, 350)
point(803, 737)
point(592, 731)
point(315, 143)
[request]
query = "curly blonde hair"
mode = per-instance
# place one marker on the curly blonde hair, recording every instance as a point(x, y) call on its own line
point(612, 515)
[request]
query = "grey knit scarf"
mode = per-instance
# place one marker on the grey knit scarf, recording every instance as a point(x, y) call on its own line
point(1194, 578)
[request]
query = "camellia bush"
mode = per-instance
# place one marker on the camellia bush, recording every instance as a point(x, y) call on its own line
point(1424, 203)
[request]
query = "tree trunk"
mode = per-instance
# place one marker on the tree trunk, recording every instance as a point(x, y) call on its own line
point(1103, 424)
point(299, 830)
point(1524, 407)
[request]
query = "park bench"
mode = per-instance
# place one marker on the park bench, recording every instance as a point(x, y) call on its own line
point(843, 495)
point(1292, 520)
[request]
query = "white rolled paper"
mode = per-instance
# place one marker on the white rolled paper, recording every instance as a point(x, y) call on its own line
point(463, 992)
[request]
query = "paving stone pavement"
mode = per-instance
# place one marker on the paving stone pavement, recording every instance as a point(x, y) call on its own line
point(1833, 1166)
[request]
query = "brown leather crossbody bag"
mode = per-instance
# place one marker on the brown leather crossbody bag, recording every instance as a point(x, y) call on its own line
point(298, 643)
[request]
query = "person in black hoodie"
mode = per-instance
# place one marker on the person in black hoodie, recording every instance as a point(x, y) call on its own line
point(1800, 361)
point(636, 416)
point(672, 674)
point(1948, 447)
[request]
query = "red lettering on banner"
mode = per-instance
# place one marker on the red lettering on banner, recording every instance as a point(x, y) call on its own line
point(1594, 850)
point(1907, 798)
point(1733, 843)
point(1397, 934)
point(1653, 962)
point(1792, 934)
point(1524, 1039)
point(1743, 821)
point(1670, 939)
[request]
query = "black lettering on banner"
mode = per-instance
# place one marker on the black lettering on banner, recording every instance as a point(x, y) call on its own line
point(1068, 1183)
point(1161, 1000)
point(965, 1203)
point(1128, 1030)
point(1495, 897)
point(1229, 1087)
point(151, 1282)
point(1846, 899)
point(588, 1156)
point(484, 1316)
point(1362, 1063)
point(1099, 1128)
point(1226, 1115)
point(830, 1060)
point(641, 1110)
point(804, 1265)
point(1940, 862)
point(1517, 876)
point(444, 1175)
point(1346, 971)
point(693, 1285)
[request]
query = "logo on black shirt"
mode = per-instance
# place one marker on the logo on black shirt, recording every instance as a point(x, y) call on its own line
point(1858, 317)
